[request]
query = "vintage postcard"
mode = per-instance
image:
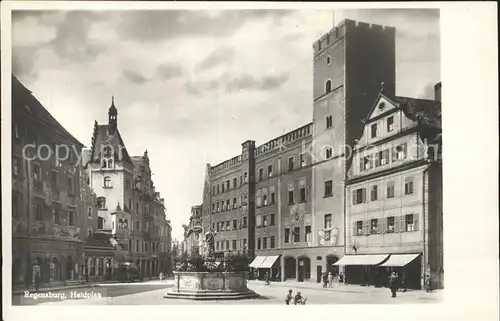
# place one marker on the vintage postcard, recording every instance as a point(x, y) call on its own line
point(225, 154)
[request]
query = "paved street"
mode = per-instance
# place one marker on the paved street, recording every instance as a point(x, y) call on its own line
point(151, 293)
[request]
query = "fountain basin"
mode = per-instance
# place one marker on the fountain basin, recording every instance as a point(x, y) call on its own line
point(210, 286)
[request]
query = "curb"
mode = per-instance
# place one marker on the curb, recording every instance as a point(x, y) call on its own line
point(419, 294)
point(310, 287)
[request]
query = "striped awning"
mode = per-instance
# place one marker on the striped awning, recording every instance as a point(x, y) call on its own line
point(268, 262)
point(362, 259)
point(400, 259)
point(257, 262)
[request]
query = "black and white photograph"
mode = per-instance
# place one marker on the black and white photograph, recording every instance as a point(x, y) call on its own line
point(232, 156)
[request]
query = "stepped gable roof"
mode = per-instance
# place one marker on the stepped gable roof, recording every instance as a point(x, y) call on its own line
point(23, 100)
point(426, 112)
point(103, 137)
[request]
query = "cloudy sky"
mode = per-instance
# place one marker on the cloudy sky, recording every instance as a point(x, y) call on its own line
point(191, 86)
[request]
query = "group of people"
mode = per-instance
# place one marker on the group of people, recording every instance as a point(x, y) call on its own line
point(328, 279)
point(399, 283)
point(297, 299)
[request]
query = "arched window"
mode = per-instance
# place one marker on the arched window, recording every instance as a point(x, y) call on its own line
point(107, 181)
point(120, 223)
point(328, 60)
point(92, 267)
point(110, 163)
point(89, 232)
point(328, 86)
point(89, 211)
point(54, 269)
point(101, 202)
point(125, 224)
point(37, 263)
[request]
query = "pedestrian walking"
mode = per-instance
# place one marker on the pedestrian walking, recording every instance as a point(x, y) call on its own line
point(162, 276)
point(393, 280)
point(288, 297)
point(266, 278)
point(38, 279)
point(403, 282)
point(325, 280)
point(341, 278)
point(330, 279)
point(428, 283)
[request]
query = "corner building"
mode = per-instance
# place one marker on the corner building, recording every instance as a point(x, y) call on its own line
point(46, 207)
point(285, 200)
point(394, 187)
point(129, 210)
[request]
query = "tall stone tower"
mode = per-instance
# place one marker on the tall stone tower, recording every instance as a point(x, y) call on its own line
point(350, 64)
point(111, 171)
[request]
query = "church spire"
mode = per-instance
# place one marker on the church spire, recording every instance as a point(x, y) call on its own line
point(112, 117)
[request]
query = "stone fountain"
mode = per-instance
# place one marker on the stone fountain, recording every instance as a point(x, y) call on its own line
point(210, 280)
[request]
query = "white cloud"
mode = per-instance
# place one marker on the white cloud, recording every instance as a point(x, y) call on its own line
point(181, 130)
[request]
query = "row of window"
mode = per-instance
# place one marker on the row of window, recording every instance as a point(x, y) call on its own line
point(226, 205)
point(226, 245)
point(359, 195)
point(146, 210)
point(293, 236)
point(226, 186)
point(374, 128)
point(263, 245)
point(262, 198)
point(38, 209)
point(37, 175)
point(291, 166)
point(391, 224)
point(381, 158)
point(265, 220)
point(227, 226)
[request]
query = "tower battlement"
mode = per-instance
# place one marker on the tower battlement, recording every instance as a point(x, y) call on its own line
point(343, 28)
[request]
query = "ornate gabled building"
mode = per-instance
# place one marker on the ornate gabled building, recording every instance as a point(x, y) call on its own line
point(47, 235)
point(394, 188)
point(129, 209)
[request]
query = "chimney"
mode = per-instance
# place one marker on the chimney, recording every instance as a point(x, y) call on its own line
point(437, 92)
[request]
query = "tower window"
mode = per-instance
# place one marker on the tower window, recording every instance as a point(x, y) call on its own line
point(328, 86)
point(107, 181)
point(329, 121)
point(328, 60)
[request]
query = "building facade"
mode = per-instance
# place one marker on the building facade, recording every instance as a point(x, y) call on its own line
point(129, 210)
point(285, 201)
point(47, 235)
point(193, 232)
point(395, 190)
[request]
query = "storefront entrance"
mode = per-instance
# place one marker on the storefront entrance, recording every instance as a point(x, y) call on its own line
point(304, 269)
point(290, 268)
